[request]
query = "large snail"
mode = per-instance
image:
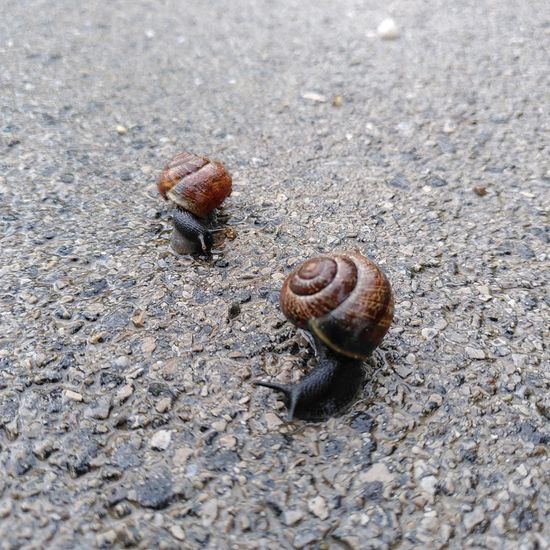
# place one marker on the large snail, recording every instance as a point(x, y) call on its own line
point(196, 186)
point(345, 301)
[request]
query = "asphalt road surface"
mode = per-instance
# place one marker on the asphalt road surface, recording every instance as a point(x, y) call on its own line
point(128, 417)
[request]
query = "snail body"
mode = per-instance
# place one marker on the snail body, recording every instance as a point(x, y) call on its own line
point(188, 231)
point(196, 186)
point(346, 302)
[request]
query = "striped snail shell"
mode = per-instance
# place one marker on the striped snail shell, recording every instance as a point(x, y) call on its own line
point(343, 298)
point(195, 183)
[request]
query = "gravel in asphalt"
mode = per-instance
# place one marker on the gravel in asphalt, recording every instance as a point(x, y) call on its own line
point(128, 417)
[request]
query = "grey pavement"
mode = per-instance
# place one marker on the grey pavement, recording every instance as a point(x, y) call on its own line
point(128, 417)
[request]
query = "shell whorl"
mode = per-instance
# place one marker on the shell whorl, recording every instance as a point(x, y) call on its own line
point(344, 299)
point(195, 183)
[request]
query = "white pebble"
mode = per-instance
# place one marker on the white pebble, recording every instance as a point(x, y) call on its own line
point(475, 353)
point(429, 484)
point(73, 395)
point(314, 96)
point(318, 506)
point(377, 472)
point(388, 29)
point(273, 422)
point(293, 516)
point(177, 532)
point(429, 333)
point(161, 440)
point(124, 392)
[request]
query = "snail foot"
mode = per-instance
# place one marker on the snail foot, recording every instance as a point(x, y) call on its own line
point(325, 391)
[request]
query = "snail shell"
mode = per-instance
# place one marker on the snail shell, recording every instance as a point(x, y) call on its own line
point(195, 183)
point(344, 299)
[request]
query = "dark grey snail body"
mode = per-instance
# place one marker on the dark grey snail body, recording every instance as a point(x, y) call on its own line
point(346, 302)
point(324, 391)
point(191, 234)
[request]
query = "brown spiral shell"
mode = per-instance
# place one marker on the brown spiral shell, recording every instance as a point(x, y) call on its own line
point(343, 298)
point(195, 183)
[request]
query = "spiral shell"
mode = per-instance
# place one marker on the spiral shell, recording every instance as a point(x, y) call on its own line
point(195, 183)
point(343, 298)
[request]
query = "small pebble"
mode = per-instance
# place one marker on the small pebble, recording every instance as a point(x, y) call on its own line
point(62, 313)
point(219, 425)
point(149, 345)
point(318, 506)
point(73, 395)
point(388, 29)
point(5, 508)
point(449, 126)
point(97, 337)
point(138, 318)
point(399, 181)
point(124, 392)
point(474, 518)
point(429, 484)
point(435, 181)
point(101, 409)
point(181, 455)
point(313, 96)
point(272, 421)
point(377, 472)
point(474, 353)
point(429, 333)
point(177, 532)
point(121, 130)
point(161, 440)
point(163, 405)
point(106, 539)
point(434, 401)
point(522, 470)
point(403, 371)
point(43, 449)
point(306, 539)
point(228, 441)
point(292, 517)
point(209, 512)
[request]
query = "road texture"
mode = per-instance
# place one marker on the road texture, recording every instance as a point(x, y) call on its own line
point(127, 411)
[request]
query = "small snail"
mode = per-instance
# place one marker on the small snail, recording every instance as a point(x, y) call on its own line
point(197, 186)
point(345, 301)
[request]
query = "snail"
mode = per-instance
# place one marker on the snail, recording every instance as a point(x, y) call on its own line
point(345, 301)
point(196, 186)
